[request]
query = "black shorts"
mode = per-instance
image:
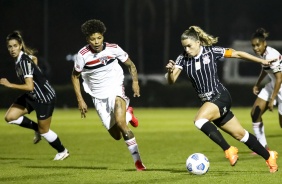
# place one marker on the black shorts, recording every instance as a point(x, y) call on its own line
point(223, 101)
point(43, 110)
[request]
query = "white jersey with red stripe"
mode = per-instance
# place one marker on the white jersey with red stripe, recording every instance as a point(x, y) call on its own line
point(101, 72)
point(271, 53)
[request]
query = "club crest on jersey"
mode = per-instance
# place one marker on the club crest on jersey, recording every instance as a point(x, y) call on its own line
point(103, 60)
point(206, 59)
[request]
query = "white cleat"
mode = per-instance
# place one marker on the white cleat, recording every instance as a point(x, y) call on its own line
point(63, 155)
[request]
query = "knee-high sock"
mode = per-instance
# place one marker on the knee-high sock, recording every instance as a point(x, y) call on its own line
point(212, 132)
point(258, 128)
point(52, 138)
point(252, 143)
point(133, 148)
point(25, 122)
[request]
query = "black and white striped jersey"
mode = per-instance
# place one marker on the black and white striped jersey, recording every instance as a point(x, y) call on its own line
point(202, 71)
point(43, 91)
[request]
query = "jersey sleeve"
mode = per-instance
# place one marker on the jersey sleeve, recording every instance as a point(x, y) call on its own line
point(121, 54)
point(79, 62)
point(179, 61)
point(27, 68)
point(275, 66)
point(218, 52)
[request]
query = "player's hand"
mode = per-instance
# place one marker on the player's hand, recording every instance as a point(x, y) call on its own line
point(270, 104)
point(82, 108)
point(136, 89)
point(170, 66)
point(269, 61)
point(5, 82)
point(255, 90)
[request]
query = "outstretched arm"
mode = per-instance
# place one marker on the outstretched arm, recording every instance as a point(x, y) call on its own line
point(133, 72)
point(76, 85)
point(247, 56)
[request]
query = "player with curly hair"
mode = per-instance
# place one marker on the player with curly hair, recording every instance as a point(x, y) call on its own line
point(98, 65)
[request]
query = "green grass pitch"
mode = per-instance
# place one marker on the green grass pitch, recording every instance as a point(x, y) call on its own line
point(165, 136)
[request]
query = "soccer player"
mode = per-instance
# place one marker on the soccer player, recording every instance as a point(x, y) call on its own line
point(199, 61)
point(98, 64)
point(272, 91)
point(39, 95)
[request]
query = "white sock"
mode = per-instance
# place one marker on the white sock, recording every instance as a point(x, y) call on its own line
point(128, 117)
point(258, 128)
point(133, 148)
point(50, 136)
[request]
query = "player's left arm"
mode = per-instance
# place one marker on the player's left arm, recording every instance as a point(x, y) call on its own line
point(231, 53)
point(133, 72)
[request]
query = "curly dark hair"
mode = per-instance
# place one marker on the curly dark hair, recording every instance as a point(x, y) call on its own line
point(93, 26)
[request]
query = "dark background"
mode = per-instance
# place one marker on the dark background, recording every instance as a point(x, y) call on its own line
point(149, 30)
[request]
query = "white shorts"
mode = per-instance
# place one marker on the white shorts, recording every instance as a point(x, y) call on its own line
point(105, 107)
point(266, 92)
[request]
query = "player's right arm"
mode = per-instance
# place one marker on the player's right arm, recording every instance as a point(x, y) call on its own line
point(172, 72)
point(78, 65)
point(260, 78)
point(76, 86)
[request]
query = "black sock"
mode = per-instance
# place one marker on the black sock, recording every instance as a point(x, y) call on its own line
point(256, 146)
point(27, 123)
point(57, 145)
point(210, 130)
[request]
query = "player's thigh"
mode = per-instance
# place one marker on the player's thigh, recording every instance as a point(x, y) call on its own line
point(44, 125)
point(120, 111)
point(14, 112)
point(234, 128)
point(208, 111)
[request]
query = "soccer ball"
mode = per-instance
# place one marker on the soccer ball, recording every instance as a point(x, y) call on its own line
point(198, 164)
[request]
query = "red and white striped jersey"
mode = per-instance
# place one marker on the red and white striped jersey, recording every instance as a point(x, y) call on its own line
point(101, 72)
point(271, 53)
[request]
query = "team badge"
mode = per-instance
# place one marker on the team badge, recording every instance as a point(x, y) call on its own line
point(103, 60)
point(206, 59)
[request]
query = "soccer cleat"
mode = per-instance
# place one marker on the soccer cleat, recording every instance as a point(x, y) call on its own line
point(62, 155)
point(37, 137)
point(271, 162)
point(232, 155)
point(139, 166)
point(134, 120)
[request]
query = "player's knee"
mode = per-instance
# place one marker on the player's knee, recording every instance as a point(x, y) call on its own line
point(200, 122)
point(115, 132)
point(10, 118)
point(117, 135)
point(256, 114)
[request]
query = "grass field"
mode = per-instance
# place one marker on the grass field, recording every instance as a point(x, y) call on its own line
point(166, 137)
